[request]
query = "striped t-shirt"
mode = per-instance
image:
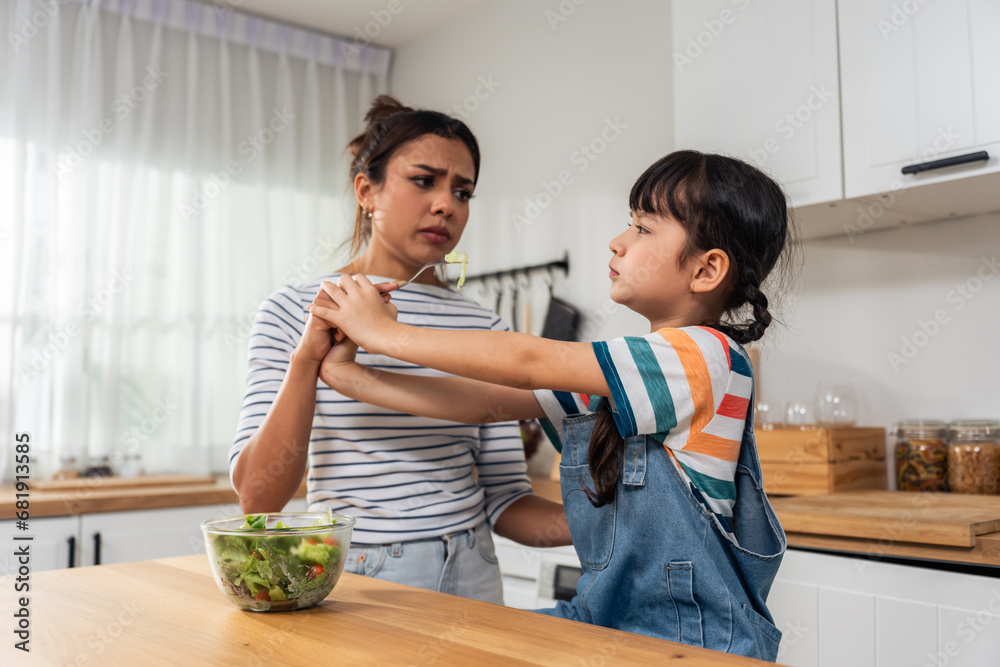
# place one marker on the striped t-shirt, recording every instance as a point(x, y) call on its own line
point(402, 477)
point(688, 388)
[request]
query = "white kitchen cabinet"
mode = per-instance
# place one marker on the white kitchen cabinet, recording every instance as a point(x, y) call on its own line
point(845, 610)
point(55, 539)
point(759, 81)
point(920, 81)
point(123, 537)
point(530, 575)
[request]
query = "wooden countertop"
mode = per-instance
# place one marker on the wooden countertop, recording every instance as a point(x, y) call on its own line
point(170, 612)
point(95, 496)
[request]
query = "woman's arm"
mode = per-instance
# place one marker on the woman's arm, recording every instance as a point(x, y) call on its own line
point(499, 357)
point(535, 522)
point(452, 398)
point(270, 466)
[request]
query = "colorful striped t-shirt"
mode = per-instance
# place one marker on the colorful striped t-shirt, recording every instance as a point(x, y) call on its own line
point(688, 388)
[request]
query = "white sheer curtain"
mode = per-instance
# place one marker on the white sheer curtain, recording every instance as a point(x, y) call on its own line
point(164, 166)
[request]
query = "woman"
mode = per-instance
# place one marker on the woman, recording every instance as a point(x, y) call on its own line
point(425, 492)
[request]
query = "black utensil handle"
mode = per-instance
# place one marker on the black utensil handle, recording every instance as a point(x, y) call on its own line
point(97, 548)
point(71, 541)
point(946, 162)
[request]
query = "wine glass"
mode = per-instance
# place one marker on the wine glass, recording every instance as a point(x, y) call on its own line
point(764, 418)
point(798, 415)
point(836, 405)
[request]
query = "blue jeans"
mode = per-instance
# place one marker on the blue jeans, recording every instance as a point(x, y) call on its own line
point(654, 560)
point(463, 563)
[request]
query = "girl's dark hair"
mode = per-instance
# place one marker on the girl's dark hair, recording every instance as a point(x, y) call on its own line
point(389, 125)
point(722, 203)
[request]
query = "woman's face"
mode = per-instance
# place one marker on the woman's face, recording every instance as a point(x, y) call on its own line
point(420, 211)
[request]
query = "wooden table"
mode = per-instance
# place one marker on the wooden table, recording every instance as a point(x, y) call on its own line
point(170, 612)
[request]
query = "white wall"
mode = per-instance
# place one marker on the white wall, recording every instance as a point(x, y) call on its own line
point(856, 303)
point(612, 59)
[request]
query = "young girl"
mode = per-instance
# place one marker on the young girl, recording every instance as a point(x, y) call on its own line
point(660, 477)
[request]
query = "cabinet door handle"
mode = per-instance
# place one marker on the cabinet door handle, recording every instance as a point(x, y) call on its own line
point(97, 548)
point(72, 551)
point(946, 162)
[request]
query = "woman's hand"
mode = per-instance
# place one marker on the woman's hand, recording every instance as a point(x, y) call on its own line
point(357, 310)
point(318, 336)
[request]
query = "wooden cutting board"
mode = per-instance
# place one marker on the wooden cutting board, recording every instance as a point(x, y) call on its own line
point(949, 519)
point(111, 483)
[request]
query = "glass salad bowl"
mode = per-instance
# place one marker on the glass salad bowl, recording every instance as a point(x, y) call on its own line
point(277, 562)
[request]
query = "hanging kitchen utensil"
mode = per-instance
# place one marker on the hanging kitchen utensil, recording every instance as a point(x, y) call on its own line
point(513, 303)
point(524, 282)
point(561, 321)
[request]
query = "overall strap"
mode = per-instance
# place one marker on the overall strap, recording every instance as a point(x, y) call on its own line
point(634, 463)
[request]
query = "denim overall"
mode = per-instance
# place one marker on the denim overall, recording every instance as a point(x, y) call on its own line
point(655, 562)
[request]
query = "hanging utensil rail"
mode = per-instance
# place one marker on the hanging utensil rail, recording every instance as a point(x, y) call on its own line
point(561, 264)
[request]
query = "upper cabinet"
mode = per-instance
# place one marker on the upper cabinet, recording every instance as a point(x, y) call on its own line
point(758, 80)
point(888, 129)
point(920, 83)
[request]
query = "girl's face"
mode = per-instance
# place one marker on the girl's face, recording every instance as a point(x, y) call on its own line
point(420, 211)
point(646, 273)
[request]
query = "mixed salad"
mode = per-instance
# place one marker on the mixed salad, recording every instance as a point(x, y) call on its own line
point(270, 571)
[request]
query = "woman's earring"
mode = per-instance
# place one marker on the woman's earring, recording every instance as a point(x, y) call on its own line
point(692, 289)
point(368, 214)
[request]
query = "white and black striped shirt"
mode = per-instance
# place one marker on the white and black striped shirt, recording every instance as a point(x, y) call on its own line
point(401, 476)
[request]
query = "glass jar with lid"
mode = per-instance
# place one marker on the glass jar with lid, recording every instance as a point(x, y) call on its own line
point(974, 456)
point(921, 455)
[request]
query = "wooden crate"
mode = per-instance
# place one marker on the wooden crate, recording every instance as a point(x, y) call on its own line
point(821, 460)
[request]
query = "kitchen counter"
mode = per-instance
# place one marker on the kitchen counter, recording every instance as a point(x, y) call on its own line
point(97, 496)
point(170, 612)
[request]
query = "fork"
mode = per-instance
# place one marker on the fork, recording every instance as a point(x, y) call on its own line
point(400, 283)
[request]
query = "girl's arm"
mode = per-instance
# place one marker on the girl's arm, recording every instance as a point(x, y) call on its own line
point(529, 520)
point(499, 357)
point(452, 398)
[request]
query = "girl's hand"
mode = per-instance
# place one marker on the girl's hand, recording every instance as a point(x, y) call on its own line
point(357, 310)
point(321, 334)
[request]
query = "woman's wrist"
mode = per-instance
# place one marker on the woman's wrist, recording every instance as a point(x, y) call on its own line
point(302, 363)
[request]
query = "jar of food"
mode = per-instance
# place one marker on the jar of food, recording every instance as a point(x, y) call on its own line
point(974, 456)
point(921, 455)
